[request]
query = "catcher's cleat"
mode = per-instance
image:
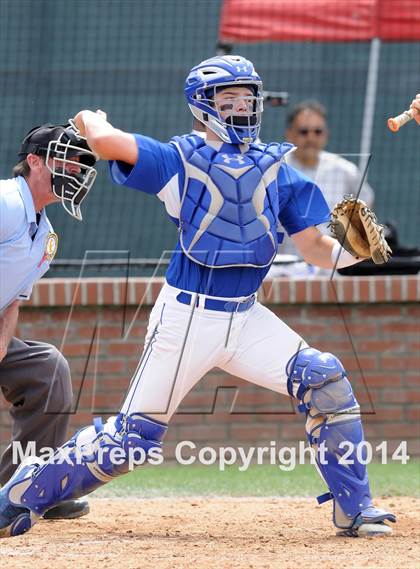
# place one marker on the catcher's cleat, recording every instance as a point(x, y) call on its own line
point(370, 523)
point(75, 469)
point(14, 520)
point(68, 510)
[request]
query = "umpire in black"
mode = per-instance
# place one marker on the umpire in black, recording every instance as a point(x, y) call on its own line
point(55, 165)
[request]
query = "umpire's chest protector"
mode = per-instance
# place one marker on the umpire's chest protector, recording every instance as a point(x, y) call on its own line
point(230, 203)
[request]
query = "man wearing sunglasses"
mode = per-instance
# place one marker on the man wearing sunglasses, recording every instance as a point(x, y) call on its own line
point(307, 128)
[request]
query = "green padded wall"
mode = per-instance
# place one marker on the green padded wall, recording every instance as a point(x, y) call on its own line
point(130, 58)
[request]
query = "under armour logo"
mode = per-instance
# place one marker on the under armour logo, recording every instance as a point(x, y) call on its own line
point(228, 158)
point(239, 68)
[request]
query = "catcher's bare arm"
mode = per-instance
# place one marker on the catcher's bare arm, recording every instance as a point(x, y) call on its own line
point(321, 250)
point(107, 142)
point(315, 248)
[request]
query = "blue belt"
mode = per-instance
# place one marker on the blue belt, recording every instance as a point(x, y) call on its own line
point(220, 305)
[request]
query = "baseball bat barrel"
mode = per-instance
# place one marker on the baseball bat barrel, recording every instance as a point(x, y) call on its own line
point(395, 123)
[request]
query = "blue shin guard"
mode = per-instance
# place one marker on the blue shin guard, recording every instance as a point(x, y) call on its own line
point(93, 457)
point(335, 432)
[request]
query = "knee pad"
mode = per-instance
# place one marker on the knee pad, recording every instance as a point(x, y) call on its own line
point(319, 381)
point(333, 427)
point(94, 456)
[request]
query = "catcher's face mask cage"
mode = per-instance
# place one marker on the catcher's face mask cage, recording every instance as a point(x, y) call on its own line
point(71, 179)
point(236, 120)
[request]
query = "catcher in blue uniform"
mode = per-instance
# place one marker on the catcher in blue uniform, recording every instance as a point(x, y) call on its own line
point(227, 194)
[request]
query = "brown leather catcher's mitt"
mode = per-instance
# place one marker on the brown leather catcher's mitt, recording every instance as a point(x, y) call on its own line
point(356, 228)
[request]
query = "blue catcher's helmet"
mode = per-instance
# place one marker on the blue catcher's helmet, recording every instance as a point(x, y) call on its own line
point(215, 74)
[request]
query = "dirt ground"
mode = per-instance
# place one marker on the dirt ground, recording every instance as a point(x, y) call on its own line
point(218, 533)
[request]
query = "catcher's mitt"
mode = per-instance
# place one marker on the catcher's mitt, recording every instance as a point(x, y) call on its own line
point(356, 228)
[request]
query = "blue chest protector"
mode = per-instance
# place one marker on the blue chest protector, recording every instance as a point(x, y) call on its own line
point(230, 204)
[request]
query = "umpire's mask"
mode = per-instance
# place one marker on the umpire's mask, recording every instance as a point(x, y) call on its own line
point(71, 179)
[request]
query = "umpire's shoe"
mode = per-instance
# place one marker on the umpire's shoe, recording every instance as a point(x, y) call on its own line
point(68, 510)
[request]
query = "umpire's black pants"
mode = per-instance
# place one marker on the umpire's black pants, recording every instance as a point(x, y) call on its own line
point(35, 380)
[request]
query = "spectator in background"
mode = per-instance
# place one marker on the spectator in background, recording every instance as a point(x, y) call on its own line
point(307, 128)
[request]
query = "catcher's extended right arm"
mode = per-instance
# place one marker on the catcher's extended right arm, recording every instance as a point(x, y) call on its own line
point(356, 228)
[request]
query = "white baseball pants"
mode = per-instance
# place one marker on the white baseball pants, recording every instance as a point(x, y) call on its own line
point(184, 342)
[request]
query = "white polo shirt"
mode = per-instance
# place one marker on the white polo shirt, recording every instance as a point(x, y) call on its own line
point(336, 177)
point(23, 259)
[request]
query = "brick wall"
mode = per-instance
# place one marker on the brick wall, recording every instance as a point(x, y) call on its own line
point(371, 323)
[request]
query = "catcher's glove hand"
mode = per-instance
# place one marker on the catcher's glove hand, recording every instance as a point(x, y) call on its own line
point(356, 228)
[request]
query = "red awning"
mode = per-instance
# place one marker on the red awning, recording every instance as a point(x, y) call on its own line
point(319, 20)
